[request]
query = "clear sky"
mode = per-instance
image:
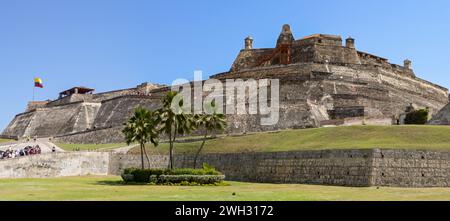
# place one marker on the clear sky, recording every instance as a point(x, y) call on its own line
point(108, 44)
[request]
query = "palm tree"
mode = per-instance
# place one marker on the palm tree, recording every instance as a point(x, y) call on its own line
point(209, 123)
point(142, 128)
point(174, 121)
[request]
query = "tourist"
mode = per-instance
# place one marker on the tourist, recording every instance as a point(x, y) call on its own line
point(54, 149)
point(10, 153)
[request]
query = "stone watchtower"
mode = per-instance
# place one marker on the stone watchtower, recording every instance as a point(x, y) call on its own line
point(407, 65)
point(248, 43)
point(286, 37)
point(284, 44)
point(350, 42)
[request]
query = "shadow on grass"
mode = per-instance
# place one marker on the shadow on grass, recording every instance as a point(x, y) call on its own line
point(123, 183)
point(118, 183)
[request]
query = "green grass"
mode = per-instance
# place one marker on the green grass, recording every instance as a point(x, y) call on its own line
point(111, 188)
point(360, 137)
point(71, 147)
point(5, 140)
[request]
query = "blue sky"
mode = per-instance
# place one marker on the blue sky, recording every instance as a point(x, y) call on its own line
point(108, 44)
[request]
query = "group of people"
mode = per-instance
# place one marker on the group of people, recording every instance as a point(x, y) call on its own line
point(29, 150)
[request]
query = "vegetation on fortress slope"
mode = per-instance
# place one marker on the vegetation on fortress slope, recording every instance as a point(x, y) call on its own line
point(360, 137)
point(5, 140)
point(112, 188)
point(91, 147)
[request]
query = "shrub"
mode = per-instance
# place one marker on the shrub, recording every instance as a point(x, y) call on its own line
point(188, 171)
point(129, 170)
point(184, 179)
point(207, 175)
point(141, 175)
point(128, 178)
point(207, 170)
point(417, 117)
point(153, 179)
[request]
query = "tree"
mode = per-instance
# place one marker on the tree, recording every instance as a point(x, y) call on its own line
point(209, 123)
point(417, 117)
point(142, 128)
point(174, 121)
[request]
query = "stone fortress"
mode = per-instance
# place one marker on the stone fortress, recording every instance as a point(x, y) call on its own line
point(322, 82)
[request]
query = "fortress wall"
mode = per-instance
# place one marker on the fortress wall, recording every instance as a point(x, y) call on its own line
point(401, 90)
point(442, 117)
point(396, 168)
point(308, 167)
point(19, 124)
point(116, 111)
point(71, 99)
point(55, 165)
point(63, 119)
point(358, 168)
point(299, 108)
point(112, 94)
point(32, 105)
point(52, 121)
point(300, 99)
point(400, 168)
point(382, 91)
point(335, 54)
point(249, 58)
point(86, 116)
point(91, 97)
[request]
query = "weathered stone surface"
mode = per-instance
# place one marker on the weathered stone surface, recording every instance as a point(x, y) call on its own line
point(114, 112)
point(442, 117)
point(51, 121)
point(94, 136)
point(55, 165)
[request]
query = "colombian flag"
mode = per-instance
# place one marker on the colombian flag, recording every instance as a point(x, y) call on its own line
point(38, 83)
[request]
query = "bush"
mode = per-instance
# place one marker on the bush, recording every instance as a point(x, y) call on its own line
point(128, 178)
point(184, 179)
point(140, 175)
point(153, 179)
point(188, 171)
point(207, 170)
point(207, 175)
point(129, 170)
point(417, 117)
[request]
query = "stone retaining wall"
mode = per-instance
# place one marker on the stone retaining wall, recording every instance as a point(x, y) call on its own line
point(370, 167)
point(312, 167)
point(55, 165)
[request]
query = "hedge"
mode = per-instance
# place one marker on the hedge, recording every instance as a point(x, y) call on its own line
point(188, 171)
point(140, 175)
point(207, 175)
point(197, 179)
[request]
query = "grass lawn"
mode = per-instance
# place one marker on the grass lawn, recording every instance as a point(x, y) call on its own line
point(359, 137)
point(5, 140)
point(71, 147)
point(111, 188)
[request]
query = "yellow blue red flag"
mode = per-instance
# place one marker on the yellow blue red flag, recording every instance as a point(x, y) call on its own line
point(38, 83)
